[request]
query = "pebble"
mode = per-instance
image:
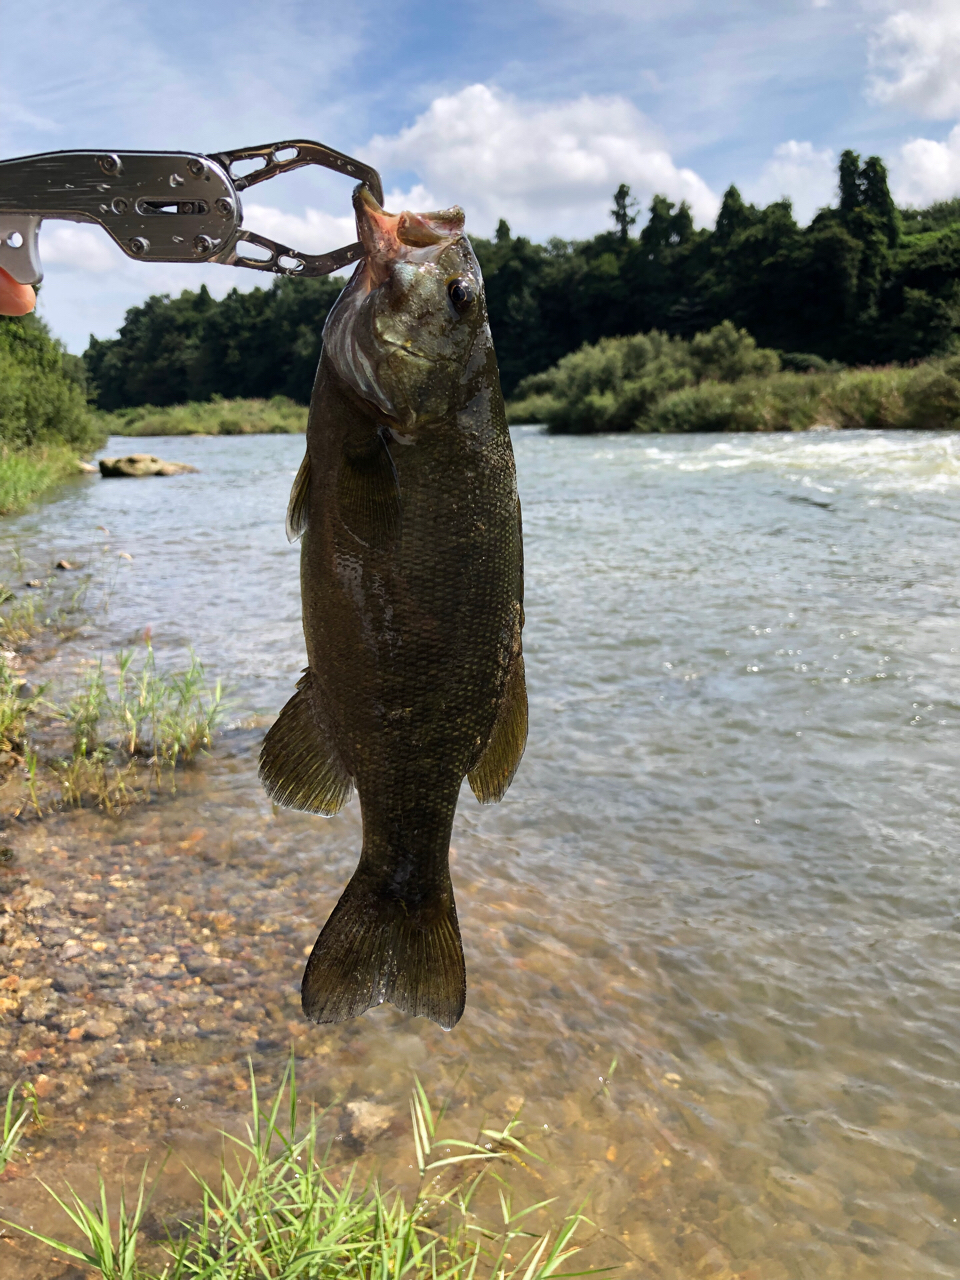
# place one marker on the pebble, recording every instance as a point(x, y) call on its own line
point(100, 1028)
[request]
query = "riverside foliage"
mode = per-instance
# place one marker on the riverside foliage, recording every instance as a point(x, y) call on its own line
point(45, 421)
point(215, 417)
point(864, 283)
point(722, 381)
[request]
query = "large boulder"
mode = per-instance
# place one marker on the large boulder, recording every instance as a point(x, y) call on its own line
point(141, 464)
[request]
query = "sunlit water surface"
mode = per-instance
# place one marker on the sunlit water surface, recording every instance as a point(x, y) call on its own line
point(728, 861)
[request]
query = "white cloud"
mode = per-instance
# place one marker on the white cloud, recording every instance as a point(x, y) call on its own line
point(79, 248)
point(312, 232)
point(915, 58)
point(926, 171)
point(800, 171)
point(548, 168)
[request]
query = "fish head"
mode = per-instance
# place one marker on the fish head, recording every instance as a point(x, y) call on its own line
point(407, 328)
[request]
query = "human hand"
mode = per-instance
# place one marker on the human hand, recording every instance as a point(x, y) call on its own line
point(15, 299)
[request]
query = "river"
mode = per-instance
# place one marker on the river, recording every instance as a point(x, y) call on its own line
point(729, 860)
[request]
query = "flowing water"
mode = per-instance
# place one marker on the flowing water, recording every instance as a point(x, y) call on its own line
point(728, 861)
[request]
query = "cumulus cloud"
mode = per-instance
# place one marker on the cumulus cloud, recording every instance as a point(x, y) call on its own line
point(548, 168)
point(925, 171)
point(75, 247)
point(915, 58)
point(312, 232)
point(800, 171)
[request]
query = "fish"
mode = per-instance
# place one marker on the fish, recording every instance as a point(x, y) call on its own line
point(411, 574)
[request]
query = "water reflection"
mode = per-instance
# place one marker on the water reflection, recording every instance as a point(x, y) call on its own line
point(727, 860)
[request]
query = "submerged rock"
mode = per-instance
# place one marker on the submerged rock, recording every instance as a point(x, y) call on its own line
point(142, 464)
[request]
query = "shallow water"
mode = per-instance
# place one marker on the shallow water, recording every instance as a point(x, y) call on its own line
point(728, 859)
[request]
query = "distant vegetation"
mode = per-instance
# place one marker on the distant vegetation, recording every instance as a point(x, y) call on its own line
point(45, 421)
point(216, 417)
point(722, 381)
point(865, 283)
point(254, 345)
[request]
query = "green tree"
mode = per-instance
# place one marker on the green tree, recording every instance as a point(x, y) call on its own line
point(864, 282)
point(734, 216)
point(623, 211)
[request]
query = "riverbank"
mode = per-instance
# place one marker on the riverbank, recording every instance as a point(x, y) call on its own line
point(29, 473)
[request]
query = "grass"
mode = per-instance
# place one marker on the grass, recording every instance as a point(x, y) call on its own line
point(16, 1113)
point(153, 718)
point(280, 1210)
point(28, 473)
point(123, 741)
point(120, 734)
point(216, 417)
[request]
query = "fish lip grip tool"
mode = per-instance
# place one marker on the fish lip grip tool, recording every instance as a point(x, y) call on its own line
point(164, 206)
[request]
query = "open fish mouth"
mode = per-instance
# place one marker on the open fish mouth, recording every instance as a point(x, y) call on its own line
point(391, 237)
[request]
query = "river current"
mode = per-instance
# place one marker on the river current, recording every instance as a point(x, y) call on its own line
point(728, 863)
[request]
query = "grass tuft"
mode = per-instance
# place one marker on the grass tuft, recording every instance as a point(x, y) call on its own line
point(279, 1211)
point(113, 741)
point(15, 1116)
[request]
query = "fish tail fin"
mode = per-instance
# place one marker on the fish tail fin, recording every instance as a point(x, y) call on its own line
point(375, 947)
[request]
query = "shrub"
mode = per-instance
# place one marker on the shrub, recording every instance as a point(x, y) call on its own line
point(616, 383)
point(784, 402)
point(41, 400)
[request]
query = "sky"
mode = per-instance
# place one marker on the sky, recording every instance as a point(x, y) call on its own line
point(529, 110)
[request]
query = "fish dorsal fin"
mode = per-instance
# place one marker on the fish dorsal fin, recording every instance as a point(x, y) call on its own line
point(494, 771)
point(368, 493)
point(299, 766)
point(297, 509)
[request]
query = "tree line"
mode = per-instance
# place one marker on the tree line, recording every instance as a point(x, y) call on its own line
point(864, 283)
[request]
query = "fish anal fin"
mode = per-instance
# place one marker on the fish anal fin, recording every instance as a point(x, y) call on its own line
point(299, 766)
point(376, 948)
point(368, 494)
point(298, 511)
point(494, 771)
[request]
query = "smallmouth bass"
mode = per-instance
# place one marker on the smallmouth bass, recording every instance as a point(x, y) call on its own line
point(412, 591)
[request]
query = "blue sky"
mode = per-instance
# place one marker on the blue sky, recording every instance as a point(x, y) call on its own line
point(534, 110)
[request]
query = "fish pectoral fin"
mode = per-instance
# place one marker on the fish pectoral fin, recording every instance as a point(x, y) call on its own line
point(299, 766)
point(297, 510)
point(494, 771)
point(368, 494)
point(376, 948)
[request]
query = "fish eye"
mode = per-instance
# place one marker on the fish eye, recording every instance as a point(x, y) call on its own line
point(462, 294)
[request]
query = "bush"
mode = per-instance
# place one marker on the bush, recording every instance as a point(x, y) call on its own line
point(784, 402)
point(925, 396)
point(41, 400)
point(618, 382)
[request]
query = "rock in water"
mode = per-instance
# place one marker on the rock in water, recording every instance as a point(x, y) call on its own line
point(141, 464)
point(412, 583)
